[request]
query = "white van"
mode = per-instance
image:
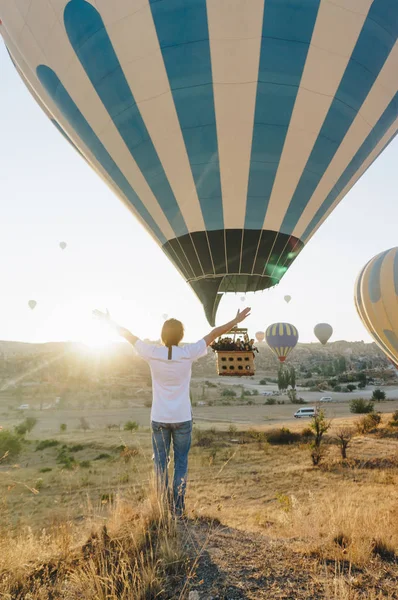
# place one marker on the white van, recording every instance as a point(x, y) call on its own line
point(326, 399)
point(308, 411)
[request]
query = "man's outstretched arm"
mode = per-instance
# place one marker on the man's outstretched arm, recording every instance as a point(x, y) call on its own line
point(105, 317)
point(215, 333)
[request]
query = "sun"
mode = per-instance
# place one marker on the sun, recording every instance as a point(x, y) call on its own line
point(97, 336)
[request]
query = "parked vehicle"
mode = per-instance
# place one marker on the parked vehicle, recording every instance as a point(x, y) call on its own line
point(24, 407)
point(307, 412)
point(267, 393)
point(326, 399)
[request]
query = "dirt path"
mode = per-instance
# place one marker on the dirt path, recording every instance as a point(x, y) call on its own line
point(234, 565)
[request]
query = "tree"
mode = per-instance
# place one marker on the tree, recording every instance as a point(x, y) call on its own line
point(26, 426)
point(378, 395)
point(362, 385)
point(292, 376)
point(263, 381)
point(351, 387)
point(344, 436)
point(319, 426)
point(62, 427)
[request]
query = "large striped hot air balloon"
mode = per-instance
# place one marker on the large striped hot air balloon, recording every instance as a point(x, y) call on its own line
point(376, 300)
point(281, 338)
point(230, 128)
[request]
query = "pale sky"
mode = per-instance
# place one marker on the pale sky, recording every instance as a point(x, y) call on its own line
point(48, 194)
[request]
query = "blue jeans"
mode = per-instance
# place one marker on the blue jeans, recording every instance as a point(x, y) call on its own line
point(162, 434)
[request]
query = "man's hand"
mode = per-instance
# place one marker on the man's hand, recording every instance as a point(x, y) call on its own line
point(241, 316)
point(102, 316)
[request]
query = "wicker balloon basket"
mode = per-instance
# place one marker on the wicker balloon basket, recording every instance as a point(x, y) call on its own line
point(235, 363)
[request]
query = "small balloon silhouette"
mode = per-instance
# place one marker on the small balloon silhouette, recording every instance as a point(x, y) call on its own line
point(63, 245)
point(32, 304)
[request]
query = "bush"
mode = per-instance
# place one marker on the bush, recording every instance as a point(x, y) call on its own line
point(46, 444)
point(337, 388)
point(362, 385)
point(270, 401)
point(84, 424)
point(76, 448)
point(351, 387)
point(62, 427)
point(232, 429)
point(45, 470)
point(10, 445)
point(368, 423)
point(131, 426)
point(26, 426)
point(85, 464)
point(262, 381)
point(395, 416)
point(101, 456)
point(307, 434)
point(254, 392)
point(282, 436)
point(227, 393)
point(360, 406)
point(294, 399)
point(378, 395)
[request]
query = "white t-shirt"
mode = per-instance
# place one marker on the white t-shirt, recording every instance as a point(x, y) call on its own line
point(171, 379)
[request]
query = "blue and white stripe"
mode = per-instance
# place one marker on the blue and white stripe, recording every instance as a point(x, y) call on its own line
point(376, 300)
point(229, 116)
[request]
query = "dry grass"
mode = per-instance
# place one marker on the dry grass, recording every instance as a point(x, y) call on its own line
point(137, 554)
point(112, 541)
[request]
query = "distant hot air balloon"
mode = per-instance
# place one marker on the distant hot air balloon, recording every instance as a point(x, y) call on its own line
point(253, 124)
point(376, 300)
point(287, 299)
point(242, 299)
point(260, 335)
point(281, 338)
point(32, 304)
point(323, 332)
point(63, 245)
point(165, 316)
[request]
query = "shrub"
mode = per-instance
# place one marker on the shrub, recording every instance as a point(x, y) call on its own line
point(62, 427)
point(10, 445)
point(85, 464)
point(232, 429)
point(84, 424)
point(45, 470)
point(307, 434)
point(395, 416)
point(360, 406)
point(204, 438)
point(76, 447)
point(362, 385)
point(228, 393)
point(294, 399)
point(384, 550)
point(270, 401)
point(101, 456)
point(26, 426)
point(351, 387)
point(46, 444)
point(282, 436)
point(39, 484)
point(337, 388)
point(262, 381)
point(368, 423)
point(254, 392)
point(131, 426)
point(378, 395)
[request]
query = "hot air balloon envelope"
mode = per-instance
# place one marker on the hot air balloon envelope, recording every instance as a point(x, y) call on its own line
point(63, 245)
point(32, 304)
point(230, 129)
point(260, 335)
point(287, 299)
point(281, 338)
point(376, 300)
point(323, 331)
point(165, 316)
